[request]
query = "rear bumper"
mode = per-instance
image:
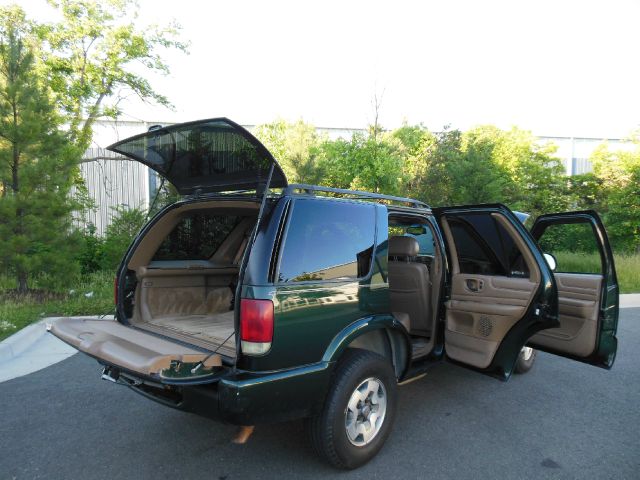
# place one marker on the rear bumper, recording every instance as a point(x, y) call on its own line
point(244, 398)
point(136, 359)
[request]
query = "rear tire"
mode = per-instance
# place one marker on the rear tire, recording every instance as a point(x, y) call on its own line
point(359, 411)
point(525, 360)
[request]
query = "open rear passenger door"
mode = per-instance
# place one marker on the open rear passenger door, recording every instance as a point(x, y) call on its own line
point(501, 290)
point(587, 288)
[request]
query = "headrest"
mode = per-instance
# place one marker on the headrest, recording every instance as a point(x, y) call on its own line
point(403, 247)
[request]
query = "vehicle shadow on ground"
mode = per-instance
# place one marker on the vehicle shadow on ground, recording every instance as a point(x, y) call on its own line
point(283, 449)
point(111, 431)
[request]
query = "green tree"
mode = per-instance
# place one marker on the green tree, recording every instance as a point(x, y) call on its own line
point(295, 146)
point(623, 216)
point(416, 145)
point(484, 164)
point(411, 137)
point(369, 161)
point(585, 192)
point(475, 176)
point(534, 179)
point(334, 161)
point(429, 169)
point(37, 165)
point(618, 174)
point(92, 56)
point(377, 164)
point(57, 79)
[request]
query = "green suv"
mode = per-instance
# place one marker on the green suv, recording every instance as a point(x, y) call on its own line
point(253, 301)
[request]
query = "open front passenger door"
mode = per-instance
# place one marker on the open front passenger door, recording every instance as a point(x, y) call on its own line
point(587, 288)
point(501, 290)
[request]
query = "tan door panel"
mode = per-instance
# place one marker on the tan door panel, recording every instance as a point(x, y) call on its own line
point(579, 305)
point(587, 302)
point(483, 308)
point(481, 311)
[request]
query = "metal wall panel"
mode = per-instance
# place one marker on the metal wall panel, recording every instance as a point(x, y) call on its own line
point(111, 183)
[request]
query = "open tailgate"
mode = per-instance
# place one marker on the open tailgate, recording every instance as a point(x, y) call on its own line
point(213, 155)
point(130, 349)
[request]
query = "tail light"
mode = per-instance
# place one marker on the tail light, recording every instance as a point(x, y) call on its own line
point(115, 290)
point(256, 326)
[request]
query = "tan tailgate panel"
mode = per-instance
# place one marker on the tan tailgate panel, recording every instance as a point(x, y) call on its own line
point(124, 346)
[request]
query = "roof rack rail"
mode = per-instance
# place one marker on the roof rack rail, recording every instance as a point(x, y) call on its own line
point(310, 189)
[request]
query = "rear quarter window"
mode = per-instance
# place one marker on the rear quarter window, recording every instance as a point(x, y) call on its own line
point(327, 240)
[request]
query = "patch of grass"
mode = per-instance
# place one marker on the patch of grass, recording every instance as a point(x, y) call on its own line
point(89, 295)
point(627, 267)
point(578, 262)
point(628, 270)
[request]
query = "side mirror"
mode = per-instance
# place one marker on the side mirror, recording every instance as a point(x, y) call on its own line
point(551, 261)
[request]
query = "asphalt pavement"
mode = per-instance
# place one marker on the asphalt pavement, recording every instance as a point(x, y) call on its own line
point(561, 420)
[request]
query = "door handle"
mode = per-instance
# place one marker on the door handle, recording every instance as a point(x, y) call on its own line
point(474, 285)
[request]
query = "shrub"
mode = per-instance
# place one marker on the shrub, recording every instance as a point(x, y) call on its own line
point(91, 251)
point(125, 225)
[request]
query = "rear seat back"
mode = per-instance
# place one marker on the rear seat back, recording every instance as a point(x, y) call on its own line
point(409, 284)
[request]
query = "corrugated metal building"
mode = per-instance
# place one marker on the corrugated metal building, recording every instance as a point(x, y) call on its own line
point(112, 183)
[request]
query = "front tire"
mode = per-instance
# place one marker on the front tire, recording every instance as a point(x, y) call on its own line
point(525, 360)
point(359, 411)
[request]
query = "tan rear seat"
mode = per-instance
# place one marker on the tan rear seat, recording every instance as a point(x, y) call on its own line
point(409, 284)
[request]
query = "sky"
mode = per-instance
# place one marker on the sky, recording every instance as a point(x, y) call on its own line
point(567, 68)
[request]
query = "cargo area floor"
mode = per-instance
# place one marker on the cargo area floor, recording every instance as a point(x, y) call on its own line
point(205, 331)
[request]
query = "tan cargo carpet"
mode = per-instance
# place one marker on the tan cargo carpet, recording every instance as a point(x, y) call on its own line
point(207, 331)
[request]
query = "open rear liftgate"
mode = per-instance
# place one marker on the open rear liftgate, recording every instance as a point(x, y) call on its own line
point(128, 349)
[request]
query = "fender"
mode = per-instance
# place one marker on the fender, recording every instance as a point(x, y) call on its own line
point(362, 326)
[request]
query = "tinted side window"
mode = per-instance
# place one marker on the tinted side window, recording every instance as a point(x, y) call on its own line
point(196, 237)
point(485, 247)
point(474, 254)
point(574, 247)
point(327, 240)
point(514, 261)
